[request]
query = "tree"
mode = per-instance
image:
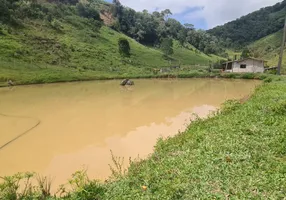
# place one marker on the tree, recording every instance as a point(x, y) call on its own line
point(124, 47)
point(166, 13)
point(167, 46)
point(116, 9)
point(173, 27)
point(189, 26)
point(87, 11)
point(245, 53)
point(182, 36)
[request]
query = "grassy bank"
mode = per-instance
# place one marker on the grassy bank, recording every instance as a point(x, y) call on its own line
point(50, 74)
point(239, 153)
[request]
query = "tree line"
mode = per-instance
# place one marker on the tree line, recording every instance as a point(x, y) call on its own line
point(155, 29)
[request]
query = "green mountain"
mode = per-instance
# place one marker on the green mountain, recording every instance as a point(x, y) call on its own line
point(268, 48)
point(65, 41)
point(253, 26)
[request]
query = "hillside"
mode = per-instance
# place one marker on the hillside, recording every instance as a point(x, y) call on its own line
point(60, 45)
point(253, 26)
point(268, 48)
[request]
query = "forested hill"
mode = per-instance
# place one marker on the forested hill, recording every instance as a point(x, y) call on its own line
point(253, 26)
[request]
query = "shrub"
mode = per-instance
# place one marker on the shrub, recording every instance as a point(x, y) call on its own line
point(248, 76)
point(167, 46)
point(229, 75)
point(124, 47)
point(216, 70)
point(229, 106)
point(56, 25)
point(268, 80)
point(262, 76)
point(85, 10)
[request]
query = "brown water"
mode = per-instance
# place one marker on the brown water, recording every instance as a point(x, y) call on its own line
point(82, 122)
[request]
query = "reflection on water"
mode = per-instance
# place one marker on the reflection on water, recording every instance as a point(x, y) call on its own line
point(82, 122)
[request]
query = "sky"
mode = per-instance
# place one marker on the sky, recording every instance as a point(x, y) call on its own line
point(204, 14)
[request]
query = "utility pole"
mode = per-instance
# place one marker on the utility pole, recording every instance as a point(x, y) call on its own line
point(282, 49)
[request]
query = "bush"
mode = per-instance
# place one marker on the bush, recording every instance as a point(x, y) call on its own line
point(56, 25)
point(167, 46)
point(268, 80)
point(216, 70)
point(262, 76)
point(124, 47)
point(85, 10)
point(248, 76)
point(229, 75)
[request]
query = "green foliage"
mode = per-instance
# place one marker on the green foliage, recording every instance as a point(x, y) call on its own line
point(150, 29)
point(245, 53)
point(229, 106)
point(21, 187)
point(248, 75)
point(56, 24)
point(252, 27)
point(167, 46)
point(123, 47)
point(268, 48)
point(87, 11)
point(116, 8)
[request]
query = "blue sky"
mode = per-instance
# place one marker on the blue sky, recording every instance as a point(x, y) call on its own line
point(204, 14)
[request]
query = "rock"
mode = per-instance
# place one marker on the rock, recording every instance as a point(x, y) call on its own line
point(124, 82)
point(129, 82)
point(10, 83)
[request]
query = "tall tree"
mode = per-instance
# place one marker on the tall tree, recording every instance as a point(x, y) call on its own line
point(124, 47)
point(117, 8)
point(166, 14)
point(167, 46)
point(245, 53)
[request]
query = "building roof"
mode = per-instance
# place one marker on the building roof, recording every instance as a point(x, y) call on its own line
point(249, 58)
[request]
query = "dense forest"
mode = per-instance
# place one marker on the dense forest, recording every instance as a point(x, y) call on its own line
point(252, 27)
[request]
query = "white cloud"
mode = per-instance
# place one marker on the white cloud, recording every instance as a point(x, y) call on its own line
point(215, 12)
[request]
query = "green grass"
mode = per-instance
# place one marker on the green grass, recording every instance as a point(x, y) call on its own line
point(268, 48)
point(38, 53)
point(238, 153)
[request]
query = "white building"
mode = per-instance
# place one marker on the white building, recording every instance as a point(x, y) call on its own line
point(249, 65)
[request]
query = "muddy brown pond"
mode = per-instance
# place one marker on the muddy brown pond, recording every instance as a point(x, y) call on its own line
point(81, 122)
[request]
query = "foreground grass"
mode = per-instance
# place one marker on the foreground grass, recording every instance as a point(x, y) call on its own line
point(239, 153)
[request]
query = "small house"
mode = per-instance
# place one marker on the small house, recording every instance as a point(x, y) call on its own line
point(247, 65)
